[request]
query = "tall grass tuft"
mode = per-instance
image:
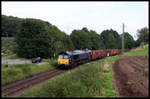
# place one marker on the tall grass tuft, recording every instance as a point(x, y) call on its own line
point(18, 72)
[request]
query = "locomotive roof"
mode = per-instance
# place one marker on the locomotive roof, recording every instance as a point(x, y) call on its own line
point(75, 52)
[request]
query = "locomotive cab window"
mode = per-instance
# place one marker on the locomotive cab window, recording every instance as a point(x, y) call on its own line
point(66, 57)
point(60, 56)
point(63, 56)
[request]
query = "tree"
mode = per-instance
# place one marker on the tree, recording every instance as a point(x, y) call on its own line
point(80, 39)
point(143, 35)
point(84, 38)
point(128, 40)
point(96, 40)
point(110, 39)
point(10, 25)
point(68, 43)
point(60, 40)
point(33, 40)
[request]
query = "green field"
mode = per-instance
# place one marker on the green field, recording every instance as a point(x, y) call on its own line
point(89, 80)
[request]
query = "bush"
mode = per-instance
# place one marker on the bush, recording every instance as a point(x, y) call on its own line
point(8, 45)
point(33, 39)
point(18, 72)
point(9, 74)
point(85, 81)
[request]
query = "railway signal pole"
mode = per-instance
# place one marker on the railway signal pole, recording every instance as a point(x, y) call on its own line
point(6, 65)
point(123, 39)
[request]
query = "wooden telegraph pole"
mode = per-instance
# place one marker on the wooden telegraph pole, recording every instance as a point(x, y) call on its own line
point(6, 65)
point(123, 39)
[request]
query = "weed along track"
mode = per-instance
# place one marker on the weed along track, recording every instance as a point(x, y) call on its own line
point(17, 87)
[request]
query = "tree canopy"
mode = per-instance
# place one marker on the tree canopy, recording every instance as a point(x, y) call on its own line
point(84, 38)
point(60, 41)
point(143, 35)
point(10, 25)
point(128, 40)
point(33, 39)
point(38, 38)
point(111, 39)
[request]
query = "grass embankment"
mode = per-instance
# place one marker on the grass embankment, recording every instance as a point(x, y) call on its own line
point(89, 80)
point(17, 72)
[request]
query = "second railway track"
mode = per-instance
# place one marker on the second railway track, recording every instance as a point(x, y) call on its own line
point(19, 86)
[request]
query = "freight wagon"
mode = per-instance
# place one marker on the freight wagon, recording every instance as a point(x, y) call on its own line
point(97, 54)
point(72, 58)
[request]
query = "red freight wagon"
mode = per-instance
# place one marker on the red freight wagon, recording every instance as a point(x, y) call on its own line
point(119, 51)
point(115, 51)
point(96, 54)
point(125, 50)
point(111, 52)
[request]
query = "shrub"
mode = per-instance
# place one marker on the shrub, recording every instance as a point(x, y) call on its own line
point(33, 39)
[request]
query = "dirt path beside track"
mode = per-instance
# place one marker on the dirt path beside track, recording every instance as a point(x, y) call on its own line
point(131, 77)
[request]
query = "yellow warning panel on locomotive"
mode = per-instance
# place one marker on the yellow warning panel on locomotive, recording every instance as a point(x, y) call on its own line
point(63, 61)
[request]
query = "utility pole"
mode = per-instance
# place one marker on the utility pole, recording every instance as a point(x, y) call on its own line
point(6, 50)
point(123, 39)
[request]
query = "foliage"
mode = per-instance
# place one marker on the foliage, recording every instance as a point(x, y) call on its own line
point(143, 36)
point(86, 81)
point(128, 41)
point(33, 39)
point(111, 39)
point(96, 40)
point(83, 39)
point(18, 72)
point(37, 38)
point(10, 25)
point(8, 45)
point(60, 41)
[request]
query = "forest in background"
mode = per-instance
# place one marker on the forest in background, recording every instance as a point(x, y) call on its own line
point(35, 37)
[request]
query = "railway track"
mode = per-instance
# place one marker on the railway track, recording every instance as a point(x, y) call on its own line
point(17, 87)
point(13, 89)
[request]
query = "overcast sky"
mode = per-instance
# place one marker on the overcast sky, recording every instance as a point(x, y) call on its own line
point(97, 16)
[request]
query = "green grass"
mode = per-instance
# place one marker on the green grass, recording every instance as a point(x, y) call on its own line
point(89, 80)
point(53, 62)
point(77, 83)
point(138, 52)
point(17, 72)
